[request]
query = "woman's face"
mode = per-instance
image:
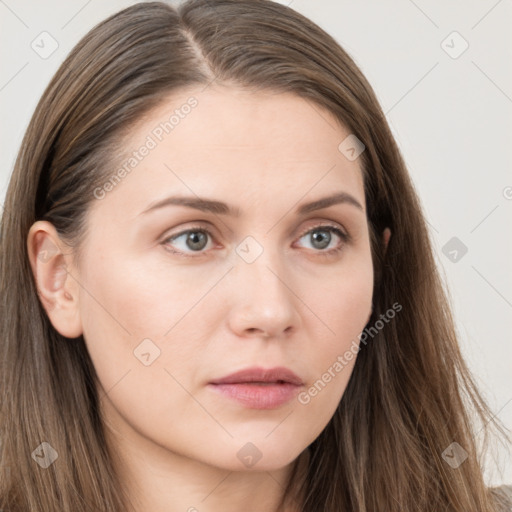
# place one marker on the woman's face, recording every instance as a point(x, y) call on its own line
point(174, 297)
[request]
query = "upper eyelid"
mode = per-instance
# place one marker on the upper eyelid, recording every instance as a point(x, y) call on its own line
point(326, 224)
point(320, 224)
point(210, 230)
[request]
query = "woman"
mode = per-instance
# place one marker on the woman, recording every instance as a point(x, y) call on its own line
point(218, 289)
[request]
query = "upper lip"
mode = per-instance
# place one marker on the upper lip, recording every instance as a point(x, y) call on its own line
point(258, 374)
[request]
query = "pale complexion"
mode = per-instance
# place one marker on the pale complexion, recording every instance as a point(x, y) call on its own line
point(213, 313)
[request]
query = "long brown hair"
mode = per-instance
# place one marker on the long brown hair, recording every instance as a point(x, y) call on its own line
point(410, 395)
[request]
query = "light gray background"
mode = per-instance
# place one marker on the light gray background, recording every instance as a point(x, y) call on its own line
point(451, 116)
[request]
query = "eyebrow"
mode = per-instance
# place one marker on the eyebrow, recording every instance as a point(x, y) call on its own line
point(220, 208)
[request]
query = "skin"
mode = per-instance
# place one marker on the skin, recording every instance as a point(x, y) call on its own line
point(213, 313)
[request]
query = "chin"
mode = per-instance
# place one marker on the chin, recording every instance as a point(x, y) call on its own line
point(260, 454)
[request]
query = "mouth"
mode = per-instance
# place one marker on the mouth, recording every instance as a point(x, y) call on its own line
point(258, 375)
point(258, 388)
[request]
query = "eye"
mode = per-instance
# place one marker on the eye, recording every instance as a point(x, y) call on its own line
point(194, 239)
point(321, 237)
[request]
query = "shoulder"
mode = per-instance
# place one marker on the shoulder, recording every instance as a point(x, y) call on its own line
point(503, 495)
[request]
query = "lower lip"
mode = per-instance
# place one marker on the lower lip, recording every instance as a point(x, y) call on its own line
point(258, 396)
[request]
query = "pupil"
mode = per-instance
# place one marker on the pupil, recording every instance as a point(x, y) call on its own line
point(326, 237)
point(195, 239)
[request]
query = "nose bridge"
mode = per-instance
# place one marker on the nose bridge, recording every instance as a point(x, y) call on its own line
point(260, 266)
point(264, 300)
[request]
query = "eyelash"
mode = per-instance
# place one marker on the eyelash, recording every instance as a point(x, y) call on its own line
point(345, 237)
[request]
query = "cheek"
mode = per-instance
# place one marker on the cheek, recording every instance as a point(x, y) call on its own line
point(139, 299)
point(140, 334)
point(145, 317)
point(343, 303)
point(343, 306)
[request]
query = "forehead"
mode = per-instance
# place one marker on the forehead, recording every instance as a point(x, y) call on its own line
point(234, 144)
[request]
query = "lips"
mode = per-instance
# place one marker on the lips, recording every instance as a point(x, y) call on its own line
point(259, 388)
point(260, 375)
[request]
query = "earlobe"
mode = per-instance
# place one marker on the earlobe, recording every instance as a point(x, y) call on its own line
point(50, 260)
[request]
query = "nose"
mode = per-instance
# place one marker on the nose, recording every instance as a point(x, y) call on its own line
point(263, 299)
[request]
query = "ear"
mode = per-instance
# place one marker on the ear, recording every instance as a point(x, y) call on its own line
point(50, 260)
point(386, 235)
